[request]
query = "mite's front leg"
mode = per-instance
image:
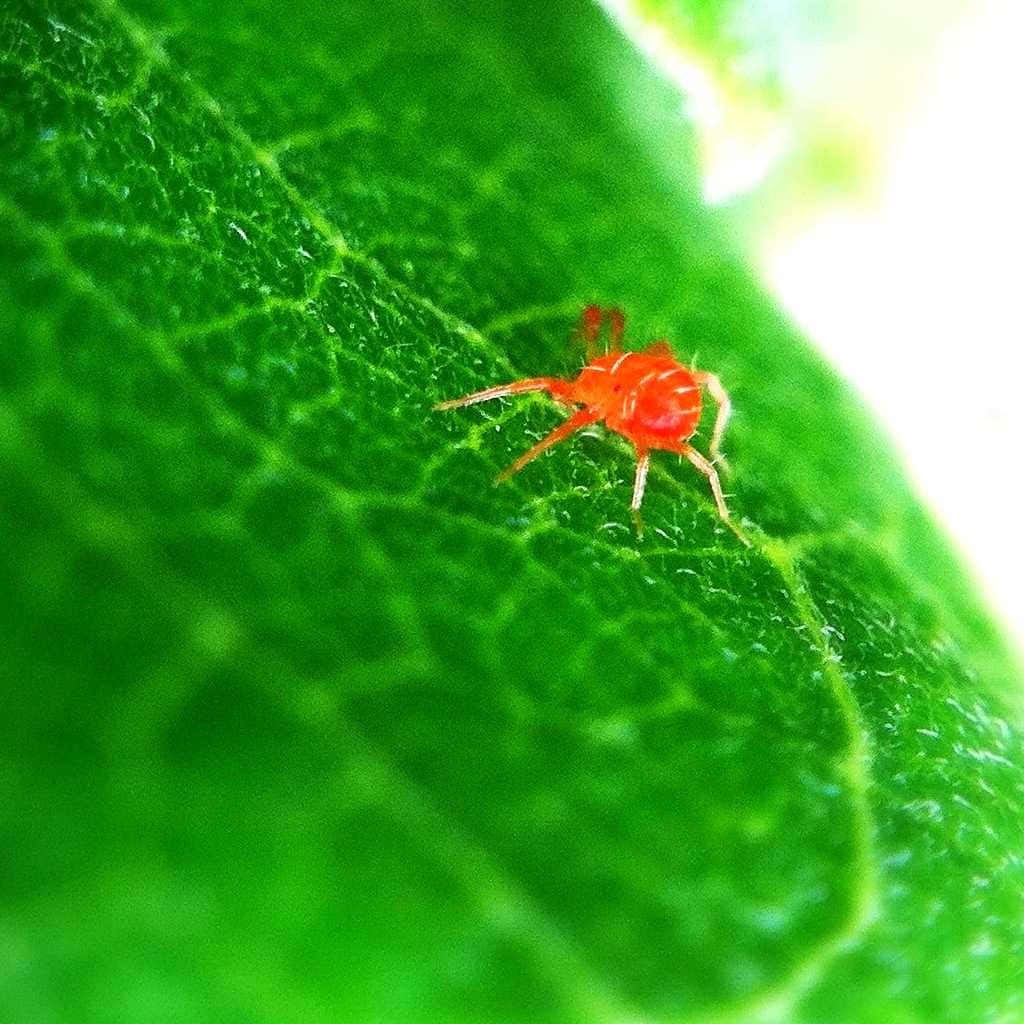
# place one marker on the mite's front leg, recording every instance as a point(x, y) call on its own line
point(589, 329)
point(582, 418)
point(558, 389)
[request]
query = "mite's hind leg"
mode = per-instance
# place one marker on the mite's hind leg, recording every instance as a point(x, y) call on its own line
point(705, 467)
point(643, 464)
point(579, 419)
point(721, 397)
point(557, 388)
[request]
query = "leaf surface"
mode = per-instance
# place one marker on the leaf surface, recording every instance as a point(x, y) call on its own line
point(305, 720)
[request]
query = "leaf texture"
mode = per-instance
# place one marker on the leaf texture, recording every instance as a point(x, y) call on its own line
point(304, 719)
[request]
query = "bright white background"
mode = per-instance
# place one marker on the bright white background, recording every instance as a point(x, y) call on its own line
point(910, 278)
point(918, 297)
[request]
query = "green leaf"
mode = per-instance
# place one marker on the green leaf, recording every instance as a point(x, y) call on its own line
point(304, 720)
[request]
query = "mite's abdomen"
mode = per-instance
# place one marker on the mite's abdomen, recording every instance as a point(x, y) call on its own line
point(668, 406)
point(651, 399)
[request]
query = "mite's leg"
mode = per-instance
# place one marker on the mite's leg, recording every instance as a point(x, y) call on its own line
point(711, 473)
point(721, 397)
point(643, 463)
point(618, 326)
point(556, 387)
point(579, 419)
point(589, 329)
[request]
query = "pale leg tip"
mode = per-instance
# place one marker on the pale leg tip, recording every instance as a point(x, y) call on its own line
point(638, 523)
point(740, 535)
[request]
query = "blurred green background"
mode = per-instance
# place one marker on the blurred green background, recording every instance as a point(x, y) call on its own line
point(303, 719)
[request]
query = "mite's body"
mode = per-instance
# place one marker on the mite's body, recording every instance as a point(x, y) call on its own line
point(648, 397)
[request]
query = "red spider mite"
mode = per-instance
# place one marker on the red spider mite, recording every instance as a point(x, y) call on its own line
point(648, 397)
